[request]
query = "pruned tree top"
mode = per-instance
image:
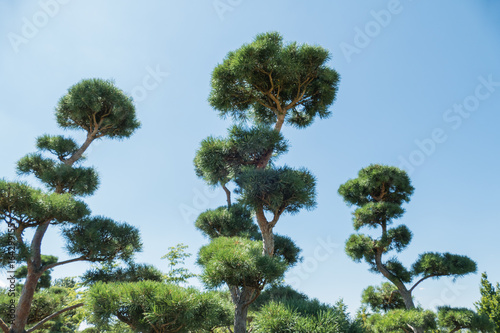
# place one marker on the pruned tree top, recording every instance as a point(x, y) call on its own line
point(269, 79)
point(378, 183)
point(238, 261)
point(98, 107)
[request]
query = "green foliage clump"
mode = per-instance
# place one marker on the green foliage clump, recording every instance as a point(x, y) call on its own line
point(267, 76)
point(219, 160)
point(227, 222)
point(454, 319)
point(489, 304)
point(278, 190)
point(132, 273)
point(150, 307)
point(238, 262)
point(99, 239)
point(99, 107)
point(277, 317)
point(382, 298)
point(401, 320)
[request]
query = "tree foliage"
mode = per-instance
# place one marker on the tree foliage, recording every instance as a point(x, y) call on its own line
point(455, 319)
point(489, 304)
point(150, 306)
point(238, 262)
point(176, 256)
point(382, 298)
point(267, 77)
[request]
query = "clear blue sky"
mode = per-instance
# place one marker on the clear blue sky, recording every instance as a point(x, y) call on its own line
point(420, 88)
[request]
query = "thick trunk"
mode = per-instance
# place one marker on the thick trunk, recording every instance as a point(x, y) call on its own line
point(24, 304)
point(240, 318)
point(268, 243)
point(242, 298)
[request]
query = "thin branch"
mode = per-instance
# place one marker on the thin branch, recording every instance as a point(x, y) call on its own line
point(228, 194)
point(4, 326)
point(424, 278)
point(43, 321)
point(44, 268)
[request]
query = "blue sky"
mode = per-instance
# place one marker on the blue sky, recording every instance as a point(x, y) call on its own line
point(420, 88)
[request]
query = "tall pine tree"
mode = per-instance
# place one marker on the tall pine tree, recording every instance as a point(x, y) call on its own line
point(101, 110)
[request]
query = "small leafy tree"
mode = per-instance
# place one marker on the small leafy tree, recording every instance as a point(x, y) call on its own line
point(379, 193)
point(489, 304)
point(175, 256)
point(102, 111)
point(268, 83)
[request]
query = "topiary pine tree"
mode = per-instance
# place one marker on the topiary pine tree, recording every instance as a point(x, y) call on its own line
point(269, 83)
point(379, 192)
point(101, 110)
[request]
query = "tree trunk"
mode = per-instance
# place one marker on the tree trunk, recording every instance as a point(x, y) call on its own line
point(266, 231)
point(268, 243)
point(242, 298)
point(24, 304)
point(240, 318)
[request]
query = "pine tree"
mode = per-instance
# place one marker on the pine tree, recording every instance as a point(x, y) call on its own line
point(103, 111)
point(379, 193)
point(266, 83)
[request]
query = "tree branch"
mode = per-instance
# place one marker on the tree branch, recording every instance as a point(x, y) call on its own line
point(4, 326)
point(424, 278)
point(44, 268)
point(43, 321)
point(228, 194)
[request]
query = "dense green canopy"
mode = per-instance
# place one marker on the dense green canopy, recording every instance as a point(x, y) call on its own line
point(267, 78)
point(152, 307)
point(238, 261)
point(98, 107)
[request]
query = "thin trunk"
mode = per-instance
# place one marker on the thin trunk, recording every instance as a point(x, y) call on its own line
point(403, 291)
point(228, 195)
point(35, 262)
point(266, 231)
point(267, 157)
point(78, 154)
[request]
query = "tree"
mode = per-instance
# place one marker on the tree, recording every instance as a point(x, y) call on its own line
point(379, 192)
point(101, 110)
point(175, 256)
point(269, 83)
point(489, 304)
